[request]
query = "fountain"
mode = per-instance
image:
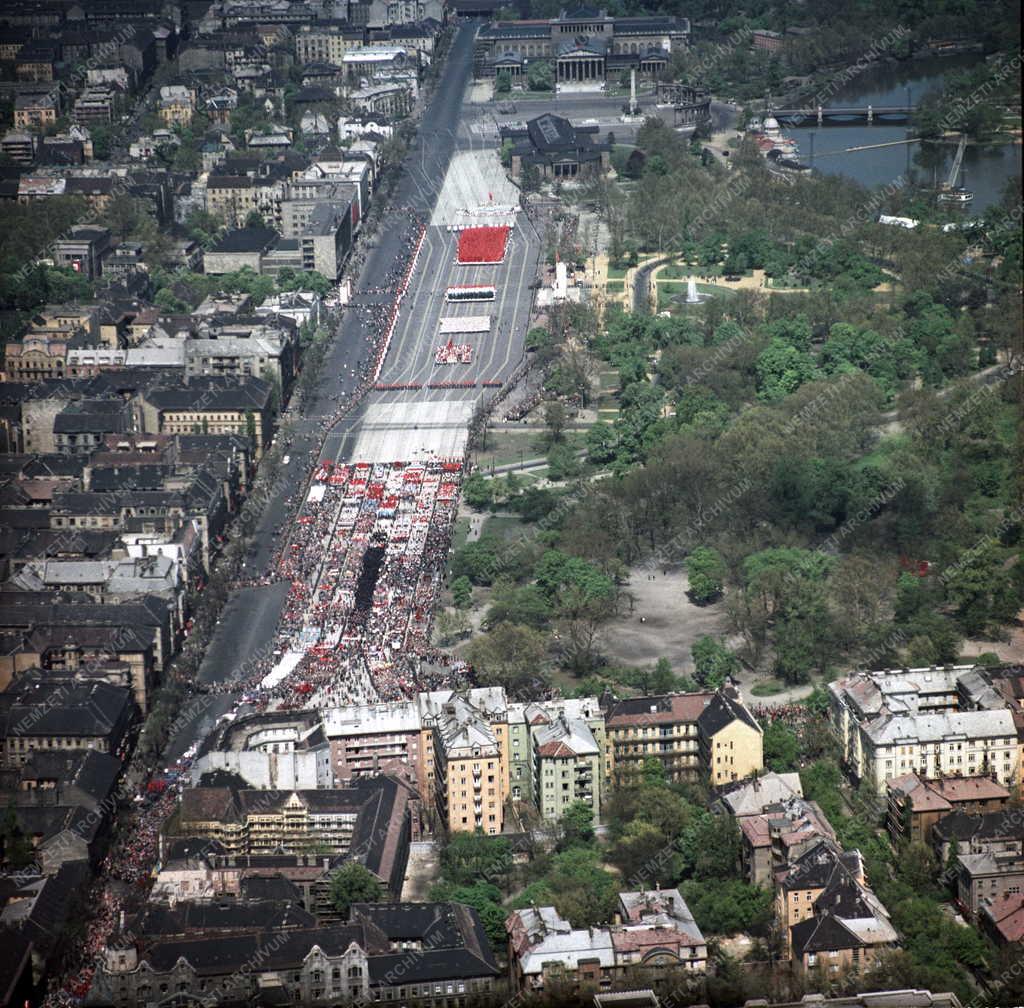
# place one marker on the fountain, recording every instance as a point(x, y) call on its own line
point(693, 296)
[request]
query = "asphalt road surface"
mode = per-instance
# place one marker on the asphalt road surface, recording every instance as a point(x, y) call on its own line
point(249, 620)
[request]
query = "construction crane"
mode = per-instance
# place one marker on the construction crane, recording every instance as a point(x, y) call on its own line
point(958, 160)
point(950, 193)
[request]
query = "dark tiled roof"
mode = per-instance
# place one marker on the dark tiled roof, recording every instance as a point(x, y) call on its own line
point(722, 711)
point(966, 826)
point(249, 239)
point(212, 393)
point(136, 477)
point(48, 543)
point(269, 887)
point(668, 709)
point(224, 915)
point(822, 934)
point(74, 709)
point(208, 804)
point(272, 950)
point(89, 773)
point(455, 943)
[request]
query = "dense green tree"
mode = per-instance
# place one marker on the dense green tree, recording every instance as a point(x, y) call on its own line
point(462, 592)
point(782, 369)
point(509, 655)
point(728, 906)
point(540, 75)
point(582, 891)
point(794, 330)
point(479, 560)
point(781, 747)
point(577, 825)
point(556, 417)
point(663, 679)
point(563, 463)
point(821, 782)
point(641, 853)
point(713, 662)
point(710, 845)
point(471, 858)
point(352, 883)
point(706, 572)
point(570, 580)
point(485, 898)
point(981, 588)
point(526, 605)
point(478, 491)
point(530, 178)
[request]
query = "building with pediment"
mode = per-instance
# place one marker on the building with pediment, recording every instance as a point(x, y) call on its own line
point(585, 44)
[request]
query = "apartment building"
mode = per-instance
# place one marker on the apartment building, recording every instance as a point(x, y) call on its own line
point(654, 934)
point(1008, 681)
point(831, 919)
point(429, 955)
point(327, 41)
point(659, 727)
point(464, 742)
point(688, 733)
point(83, 250)
point(35, 112)
point(246, 347)
point(212, 405)
point(46, 713)
point(988, 877)
point(369, 822)
point(1003, 919)
point(400, 736)
point(526, 719)
point(731, 740)
point(935, 722)
point(566, 767)
point(915, 805)
point(233, 197)
point(779, 836)
point(999, 832)
point(375, 738)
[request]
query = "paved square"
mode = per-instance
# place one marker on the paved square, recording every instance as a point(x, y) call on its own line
point(474, 179)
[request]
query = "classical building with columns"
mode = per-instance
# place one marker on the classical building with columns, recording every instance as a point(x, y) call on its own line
point(556, 148)
point(584, 44)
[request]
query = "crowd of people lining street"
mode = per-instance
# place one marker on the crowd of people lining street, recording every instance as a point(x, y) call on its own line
point(126, 868)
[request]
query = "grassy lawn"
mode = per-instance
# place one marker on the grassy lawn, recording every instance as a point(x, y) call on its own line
point(506, 527)
point(615, 285)
point(609, 381)
point(506, 446)
point(767, 687)
point(459, 532)
point(614, 273)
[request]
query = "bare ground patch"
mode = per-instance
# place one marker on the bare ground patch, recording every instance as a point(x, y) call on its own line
point(671, 622)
